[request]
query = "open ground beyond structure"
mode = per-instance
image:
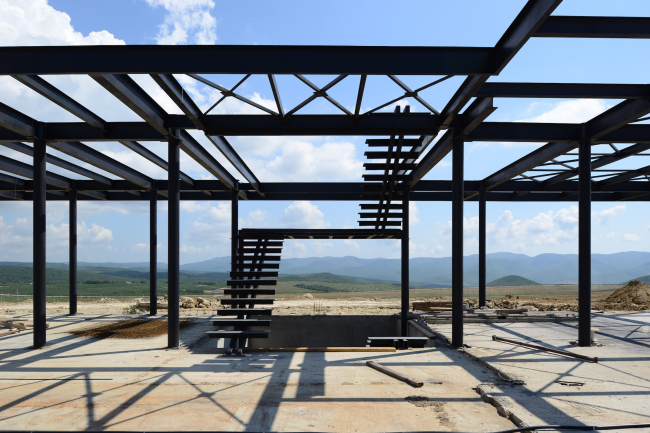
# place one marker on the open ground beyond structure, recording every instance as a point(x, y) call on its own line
point(184, 381)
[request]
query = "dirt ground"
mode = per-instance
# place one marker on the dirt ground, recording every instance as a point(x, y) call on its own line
point(309, 304)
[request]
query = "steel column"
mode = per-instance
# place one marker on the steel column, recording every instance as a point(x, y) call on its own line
point(458, 193)
point(73, 251)
point(584, 241)
point(39, 244)
point(234, 227)
point(405, 264)
point(173, 239)
point(153, 252)
point(481, 248)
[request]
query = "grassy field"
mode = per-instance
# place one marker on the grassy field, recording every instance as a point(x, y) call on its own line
point(324, 287)
point(59, 291)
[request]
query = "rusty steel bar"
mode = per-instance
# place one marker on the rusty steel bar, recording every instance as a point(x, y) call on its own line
point(546, 349)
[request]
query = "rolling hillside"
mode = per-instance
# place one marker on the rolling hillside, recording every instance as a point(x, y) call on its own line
point(512, 280)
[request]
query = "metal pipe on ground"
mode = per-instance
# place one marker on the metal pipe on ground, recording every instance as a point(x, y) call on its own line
point(395, 374)
point(546, 349)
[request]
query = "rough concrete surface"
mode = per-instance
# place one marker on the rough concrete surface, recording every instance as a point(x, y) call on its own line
point(613, 391)
point(80, 383)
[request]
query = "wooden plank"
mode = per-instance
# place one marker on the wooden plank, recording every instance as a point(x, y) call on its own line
point(397, 375)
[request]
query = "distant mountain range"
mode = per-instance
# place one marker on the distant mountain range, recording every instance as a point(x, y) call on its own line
point(435, 272)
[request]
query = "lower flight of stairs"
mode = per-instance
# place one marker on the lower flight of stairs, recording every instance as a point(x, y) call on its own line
point(255, 268)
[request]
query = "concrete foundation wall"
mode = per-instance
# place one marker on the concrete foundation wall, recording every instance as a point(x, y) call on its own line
point(325, 331)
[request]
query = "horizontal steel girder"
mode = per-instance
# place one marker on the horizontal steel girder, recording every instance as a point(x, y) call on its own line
point(247, 59)
point(595, 27)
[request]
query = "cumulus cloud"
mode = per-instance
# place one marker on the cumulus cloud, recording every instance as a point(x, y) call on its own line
point(303, 214)
point(255, 219)
point(414, 213)
point(606, 215)
point(573, 111)
point(550, 228)
point(301, 160)
point(187, 21)
point(631, 237)
point(34, 22)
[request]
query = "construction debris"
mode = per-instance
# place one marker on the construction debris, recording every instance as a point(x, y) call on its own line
point(395, 374)
point(633, 296)
point(19, 324)
point(546, 349)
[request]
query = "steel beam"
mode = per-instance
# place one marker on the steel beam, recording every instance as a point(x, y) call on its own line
point(405, 264)
point(133, 96)
point(39, 246)
point(601, 162)
point(276, 94)
point(153, 252)
point(482, 218)
point(247, 59)
point(99, 160)
point(17, 122)
point(584, 241)
point(21, 169)
point(207, 161)
point(623, 177)
point(458, 197)
point(234, 229)
point(478, 111)
point(152, 157)
point(72, 197)
point(173, 240)
point(64, 101)
point(28, 150)
point(531, 17)
point(595, 27)
point(233, 157)
point(564, 90)
point(175, 91)
point(433, 157)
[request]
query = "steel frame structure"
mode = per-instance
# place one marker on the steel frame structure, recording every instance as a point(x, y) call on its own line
point(562, 170)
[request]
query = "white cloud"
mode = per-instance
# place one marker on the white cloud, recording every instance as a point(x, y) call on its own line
point(187, 21)
point(257, 218)
point(545, 229)
point(303, 214)
point(34, 22)
point(194, 206)
point(301, 160)
point(414, 213)
point(631, 237)
point(190, 249)
point(606, 215)
point(573, 111)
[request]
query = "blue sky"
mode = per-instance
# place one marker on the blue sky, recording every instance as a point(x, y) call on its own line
point(119, 231)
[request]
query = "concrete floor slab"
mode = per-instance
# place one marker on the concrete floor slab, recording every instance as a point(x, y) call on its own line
point(77, 384)
point(613, 391)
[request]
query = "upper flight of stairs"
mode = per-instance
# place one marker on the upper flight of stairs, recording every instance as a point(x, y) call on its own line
point(389, 173)
point(252, 275)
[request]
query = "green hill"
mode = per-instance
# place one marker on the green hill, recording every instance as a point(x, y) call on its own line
point(512, 280)
point(326, 277)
